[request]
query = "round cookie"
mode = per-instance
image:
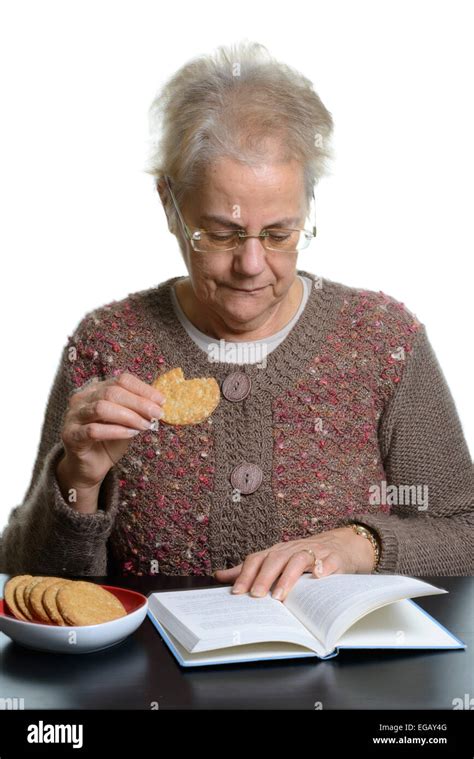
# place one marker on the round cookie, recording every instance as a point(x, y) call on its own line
point(84, 603)
point(35, 599)
point(49, 602)
point(20, 596)
point(9, 595)
point(187, 401)
point(26, 595)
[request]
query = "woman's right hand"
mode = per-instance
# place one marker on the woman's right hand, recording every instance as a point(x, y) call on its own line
point(98, 426)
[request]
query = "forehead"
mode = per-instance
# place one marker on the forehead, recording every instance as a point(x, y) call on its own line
point(229, 177)
point(267, 189)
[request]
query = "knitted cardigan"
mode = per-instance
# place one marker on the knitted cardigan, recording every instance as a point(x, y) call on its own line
point(353, 402)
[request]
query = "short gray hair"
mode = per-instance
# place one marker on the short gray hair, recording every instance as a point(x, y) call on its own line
point(228, 105)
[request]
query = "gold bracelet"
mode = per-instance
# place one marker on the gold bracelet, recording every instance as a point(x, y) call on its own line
point(361, 530)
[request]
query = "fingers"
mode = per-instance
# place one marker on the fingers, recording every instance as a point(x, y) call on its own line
point(292, 569)
point(126, 381)
point(260, 571)
point(300, 562)
point(228, 575)
point(102, 401)
point(147, 408)
point(112, 413)
point(297, 566)
point(136, 386)
point(77, 434)
point(331, 565)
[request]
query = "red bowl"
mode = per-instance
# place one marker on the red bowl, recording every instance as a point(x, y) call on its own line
point(81, 638)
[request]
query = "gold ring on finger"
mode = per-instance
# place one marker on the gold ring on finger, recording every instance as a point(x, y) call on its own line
point(312, 554)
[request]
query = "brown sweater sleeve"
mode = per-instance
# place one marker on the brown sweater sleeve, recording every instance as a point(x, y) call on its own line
point(422, 443)
point(44, 534)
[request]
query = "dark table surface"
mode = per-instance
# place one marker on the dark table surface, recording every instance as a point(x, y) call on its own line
point(141, 672)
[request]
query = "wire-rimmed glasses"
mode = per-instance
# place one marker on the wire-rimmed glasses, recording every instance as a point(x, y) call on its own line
point(278, 239)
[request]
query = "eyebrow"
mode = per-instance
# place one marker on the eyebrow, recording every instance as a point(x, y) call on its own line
point(286, 222)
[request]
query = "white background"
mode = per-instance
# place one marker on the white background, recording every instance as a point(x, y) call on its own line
point(82, 225)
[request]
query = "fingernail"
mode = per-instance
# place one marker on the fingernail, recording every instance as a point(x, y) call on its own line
point(258, 590)
point(237, 589)
point(278, 594)
point(132, 433)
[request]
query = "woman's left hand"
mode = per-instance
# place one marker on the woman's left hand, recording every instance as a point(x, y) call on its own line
point(339, 551)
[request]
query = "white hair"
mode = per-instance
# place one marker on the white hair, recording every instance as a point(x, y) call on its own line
point(230, 104)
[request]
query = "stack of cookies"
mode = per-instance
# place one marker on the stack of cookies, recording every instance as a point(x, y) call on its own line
point(57, 601)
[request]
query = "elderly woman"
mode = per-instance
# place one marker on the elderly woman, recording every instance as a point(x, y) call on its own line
point(335, 447)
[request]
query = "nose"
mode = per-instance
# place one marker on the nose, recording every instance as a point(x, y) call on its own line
point(249, 257)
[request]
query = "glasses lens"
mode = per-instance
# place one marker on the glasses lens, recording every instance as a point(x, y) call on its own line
point(284, 240)
point(215, 240)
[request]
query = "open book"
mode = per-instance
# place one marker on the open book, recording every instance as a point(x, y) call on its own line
point(318, 617)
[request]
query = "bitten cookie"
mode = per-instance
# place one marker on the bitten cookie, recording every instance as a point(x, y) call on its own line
point(187, 401)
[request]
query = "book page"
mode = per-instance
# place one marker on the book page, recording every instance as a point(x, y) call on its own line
point(236, 654)
point(401, 624)
point(328, 606)
point(209, 618)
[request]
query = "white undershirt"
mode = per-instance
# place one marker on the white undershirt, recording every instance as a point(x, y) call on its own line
point(241, 352)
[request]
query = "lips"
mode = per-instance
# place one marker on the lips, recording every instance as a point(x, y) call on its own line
point(254, 290)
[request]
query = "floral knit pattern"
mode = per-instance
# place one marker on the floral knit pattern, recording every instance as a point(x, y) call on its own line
point(324, 453)
point(324, 471)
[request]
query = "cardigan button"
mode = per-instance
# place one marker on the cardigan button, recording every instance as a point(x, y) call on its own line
point(236, 386)
point(246, 477)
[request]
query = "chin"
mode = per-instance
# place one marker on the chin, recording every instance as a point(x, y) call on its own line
point(242, 314)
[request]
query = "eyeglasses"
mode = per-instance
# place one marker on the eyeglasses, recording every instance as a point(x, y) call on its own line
point(218, 240)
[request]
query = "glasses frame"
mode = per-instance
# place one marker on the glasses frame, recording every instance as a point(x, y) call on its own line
point(242, 235)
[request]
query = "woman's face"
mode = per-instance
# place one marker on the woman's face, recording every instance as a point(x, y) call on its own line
point(253, 199)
